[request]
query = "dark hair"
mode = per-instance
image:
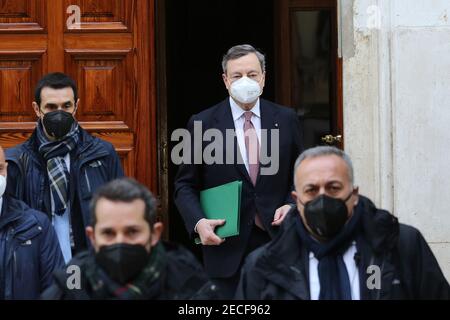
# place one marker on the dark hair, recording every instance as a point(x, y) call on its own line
point(56, 80)
point(125, 190)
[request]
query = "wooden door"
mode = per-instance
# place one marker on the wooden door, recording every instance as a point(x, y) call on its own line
point(309, 76)
point(109, 53)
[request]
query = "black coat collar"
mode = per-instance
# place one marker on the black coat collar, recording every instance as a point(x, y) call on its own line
point(279, 265)
point(87, 146)
point(9, 213)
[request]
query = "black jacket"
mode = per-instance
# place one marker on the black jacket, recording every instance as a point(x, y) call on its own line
point(270, 192)
point(93, 163)
point(29, 251)
point(409, 270)
point(184, 278)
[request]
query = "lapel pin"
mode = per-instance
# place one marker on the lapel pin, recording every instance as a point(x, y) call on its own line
point(276, 125)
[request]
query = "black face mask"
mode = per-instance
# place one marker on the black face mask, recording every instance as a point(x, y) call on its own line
point(326, 216)
point(58, 123)
point(122, 262)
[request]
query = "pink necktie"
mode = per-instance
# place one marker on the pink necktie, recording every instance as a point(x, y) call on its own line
point(252, 150)
point(251, 146)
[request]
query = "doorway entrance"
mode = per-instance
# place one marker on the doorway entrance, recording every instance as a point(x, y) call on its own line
point(300, 46)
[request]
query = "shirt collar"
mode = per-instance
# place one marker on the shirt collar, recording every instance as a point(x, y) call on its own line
point(312, 256)
point(237, 111)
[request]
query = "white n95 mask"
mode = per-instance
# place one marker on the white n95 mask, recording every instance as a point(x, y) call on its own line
point(2, 185)
point(245, 90)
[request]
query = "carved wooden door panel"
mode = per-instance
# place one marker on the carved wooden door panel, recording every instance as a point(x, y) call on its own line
point(110, 54)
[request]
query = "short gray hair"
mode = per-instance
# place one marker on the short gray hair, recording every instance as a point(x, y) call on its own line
point(242, 50)
point(325, 151)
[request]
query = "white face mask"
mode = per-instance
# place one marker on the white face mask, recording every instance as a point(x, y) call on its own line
point(245, 90)
point(2, 185)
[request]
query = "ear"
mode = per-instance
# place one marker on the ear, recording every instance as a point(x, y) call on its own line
point(90, 232)
point(294, 195)
point(77, 104)
point(263, 80)
point(36, 109)
point(156, 233)
point(225, 81)
point(356, 194)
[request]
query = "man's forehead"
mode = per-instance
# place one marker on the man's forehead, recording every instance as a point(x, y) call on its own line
point(137, 221)
point(322, 168)
point(119, 225)
point(249, 61)
point(118, 212)
point(62, 93)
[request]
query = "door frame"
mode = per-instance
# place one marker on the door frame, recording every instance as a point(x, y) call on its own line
point(283, 9)
point(161, 116)
point(281, 35)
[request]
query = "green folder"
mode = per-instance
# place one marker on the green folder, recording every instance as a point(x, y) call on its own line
point(223, 202)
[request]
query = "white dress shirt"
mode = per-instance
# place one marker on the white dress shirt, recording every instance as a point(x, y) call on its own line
point(239, 120)
point(352, 270)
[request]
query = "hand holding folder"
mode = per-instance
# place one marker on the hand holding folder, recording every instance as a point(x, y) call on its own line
point(223, 202)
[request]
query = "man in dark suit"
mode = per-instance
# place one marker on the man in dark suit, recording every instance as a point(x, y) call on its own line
point(267, 141)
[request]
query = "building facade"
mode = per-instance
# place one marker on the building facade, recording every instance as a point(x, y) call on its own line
point(374, 72)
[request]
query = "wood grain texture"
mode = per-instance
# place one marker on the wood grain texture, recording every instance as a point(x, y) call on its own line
point(24, 16)
point(19, 70)
point(103, 16)
point(111, 57)
point(106, 83)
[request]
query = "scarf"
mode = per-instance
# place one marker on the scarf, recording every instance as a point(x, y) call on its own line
point(333, 275)
point(53, 152)
point(147, 285)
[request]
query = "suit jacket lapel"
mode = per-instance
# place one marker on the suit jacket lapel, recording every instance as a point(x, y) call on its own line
point(224, 120)
point(268, 122)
